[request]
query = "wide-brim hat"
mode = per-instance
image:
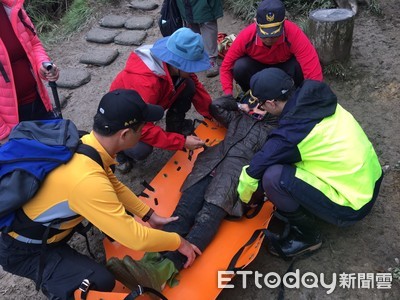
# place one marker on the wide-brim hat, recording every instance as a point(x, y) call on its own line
point(184, 50)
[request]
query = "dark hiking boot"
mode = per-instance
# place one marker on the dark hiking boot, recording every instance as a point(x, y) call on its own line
point(125, 163)
point(183, 126)
point(303, 236)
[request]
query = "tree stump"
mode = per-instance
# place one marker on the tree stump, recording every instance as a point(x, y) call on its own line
point(331, 32)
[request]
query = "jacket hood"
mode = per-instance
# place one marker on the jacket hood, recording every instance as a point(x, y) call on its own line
point(313, 100)
point(153, 64)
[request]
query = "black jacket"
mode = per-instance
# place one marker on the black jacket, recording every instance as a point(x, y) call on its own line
point(244, 137)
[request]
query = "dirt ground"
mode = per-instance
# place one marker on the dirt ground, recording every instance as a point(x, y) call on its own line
point(370, 92)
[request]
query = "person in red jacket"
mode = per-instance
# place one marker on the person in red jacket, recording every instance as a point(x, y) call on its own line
point(163, 74)
point(272, 41)
point(23, 96)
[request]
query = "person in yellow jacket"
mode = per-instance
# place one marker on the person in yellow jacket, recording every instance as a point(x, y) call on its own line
point(82, 189)
point(318, 162)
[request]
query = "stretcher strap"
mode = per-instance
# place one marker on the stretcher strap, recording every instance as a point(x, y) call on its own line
point(259, 233)
point(142, 289)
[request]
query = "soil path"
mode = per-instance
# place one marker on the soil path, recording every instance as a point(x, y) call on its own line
point(370, 92)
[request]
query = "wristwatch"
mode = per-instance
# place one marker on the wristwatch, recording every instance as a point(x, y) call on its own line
point(147, 216)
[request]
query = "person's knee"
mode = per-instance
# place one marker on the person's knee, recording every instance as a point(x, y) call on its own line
point(102, 280)
point(239, 68)
point(139, 152)
point(271, 177)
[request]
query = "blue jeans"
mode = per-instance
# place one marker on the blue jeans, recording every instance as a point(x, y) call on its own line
point(198, 220)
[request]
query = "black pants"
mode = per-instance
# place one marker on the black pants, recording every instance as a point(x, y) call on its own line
point(245, 67)
point(34, 111)
point(64, 268)
point(198, 220)
point(185, 89)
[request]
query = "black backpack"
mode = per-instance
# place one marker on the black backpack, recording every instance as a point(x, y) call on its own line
point(170, 19)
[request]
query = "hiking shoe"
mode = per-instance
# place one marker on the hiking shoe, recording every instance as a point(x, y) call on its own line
point(187, 127)
point(125, 167)
point(214, 70)
point(125, 163)
point(121, 273)
point(184, 127)
point(295, 245)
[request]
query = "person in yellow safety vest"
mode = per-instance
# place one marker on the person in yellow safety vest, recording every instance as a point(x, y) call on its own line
point(318, 162)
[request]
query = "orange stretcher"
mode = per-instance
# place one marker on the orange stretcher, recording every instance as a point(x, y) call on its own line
point(200, 281)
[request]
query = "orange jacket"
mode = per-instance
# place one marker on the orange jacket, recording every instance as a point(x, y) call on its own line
point(36, 55)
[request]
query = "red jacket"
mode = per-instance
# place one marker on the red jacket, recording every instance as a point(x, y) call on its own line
point(292, 42)
point(151, 79)
point(36, 55)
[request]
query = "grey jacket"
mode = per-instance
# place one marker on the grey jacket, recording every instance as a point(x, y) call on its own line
point(244, 137)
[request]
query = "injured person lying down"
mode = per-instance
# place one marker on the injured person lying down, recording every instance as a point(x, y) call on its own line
point(208, 193)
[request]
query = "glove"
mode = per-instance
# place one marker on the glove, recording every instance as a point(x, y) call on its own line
point(247, 185)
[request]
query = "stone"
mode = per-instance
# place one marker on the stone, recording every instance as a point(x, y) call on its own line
point(101, 36)
point(113, 21)
point(139, 23)
point(143, 5)
point(99, 57)
point(71, 78)
point(128, 38)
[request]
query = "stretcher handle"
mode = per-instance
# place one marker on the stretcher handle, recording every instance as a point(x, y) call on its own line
point(258, 233)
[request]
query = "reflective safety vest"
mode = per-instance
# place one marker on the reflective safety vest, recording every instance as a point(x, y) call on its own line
point(346, 175)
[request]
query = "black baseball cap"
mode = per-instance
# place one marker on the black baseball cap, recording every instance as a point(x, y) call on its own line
point(270, 84)
point(123, 108)
point(270, 18)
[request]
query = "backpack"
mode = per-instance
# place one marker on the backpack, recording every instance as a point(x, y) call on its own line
point(34, 149)
point(170, 19)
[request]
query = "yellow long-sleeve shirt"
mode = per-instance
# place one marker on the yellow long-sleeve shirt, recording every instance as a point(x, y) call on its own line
point(82, 187)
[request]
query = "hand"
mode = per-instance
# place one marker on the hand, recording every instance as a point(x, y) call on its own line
point(158, 222)
point(189, 250)
point(259, 111)
point(247, 186)
point(244, 107)
point(193, 142)
point(51, 75)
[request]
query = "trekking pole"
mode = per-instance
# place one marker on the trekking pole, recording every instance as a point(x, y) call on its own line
point(53, 85)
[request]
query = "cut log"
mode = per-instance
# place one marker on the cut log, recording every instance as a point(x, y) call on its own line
point(331, 32)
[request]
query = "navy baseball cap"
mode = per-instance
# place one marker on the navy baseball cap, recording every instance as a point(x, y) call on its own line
point(270, 18)
point(123, 108)
point(270, 84)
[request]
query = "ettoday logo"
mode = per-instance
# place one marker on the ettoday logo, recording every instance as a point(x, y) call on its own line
point(291, 280)
point(309, 280)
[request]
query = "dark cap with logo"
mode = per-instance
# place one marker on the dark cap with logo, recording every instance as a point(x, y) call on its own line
point(122, 109)
point(271, 84)
point(270, 18)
